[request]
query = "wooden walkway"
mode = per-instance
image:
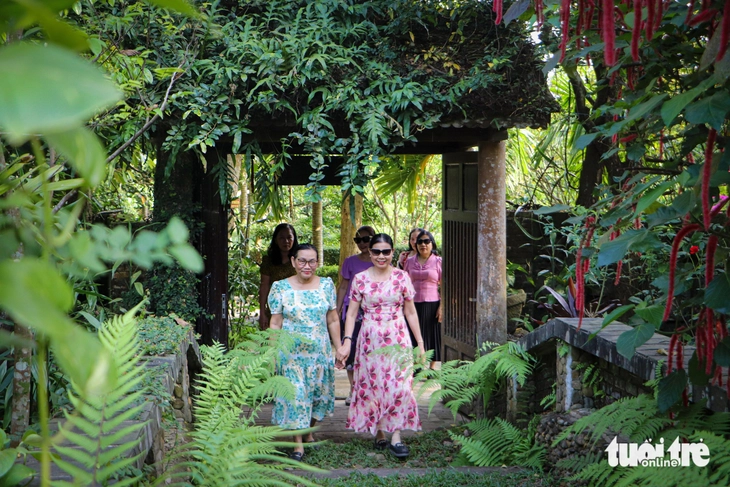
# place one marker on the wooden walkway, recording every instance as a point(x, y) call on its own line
point(333, 428)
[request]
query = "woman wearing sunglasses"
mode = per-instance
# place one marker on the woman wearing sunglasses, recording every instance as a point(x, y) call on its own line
point(351, 266)
point(424, 270)
point(304, 307)
point(382, 399)
point(411, 247)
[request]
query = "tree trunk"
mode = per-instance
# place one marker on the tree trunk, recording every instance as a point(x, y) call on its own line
point(595, 166)
point(22, 378)
point(317, 235)
point(348, 229)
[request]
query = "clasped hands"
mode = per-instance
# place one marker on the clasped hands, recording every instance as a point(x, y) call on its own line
point(343, 351)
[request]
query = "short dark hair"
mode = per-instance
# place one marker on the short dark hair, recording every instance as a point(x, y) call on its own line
point(274, 252)
point(380, 238)
point(418, 229)
point(305, 246)
point(426, 233)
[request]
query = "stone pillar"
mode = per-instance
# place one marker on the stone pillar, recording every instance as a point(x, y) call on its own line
point(491, 294)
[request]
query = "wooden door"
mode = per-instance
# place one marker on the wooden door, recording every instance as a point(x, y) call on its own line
point(459, 281)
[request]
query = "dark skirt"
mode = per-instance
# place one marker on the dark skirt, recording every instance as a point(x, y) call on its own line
point(355, 333)
point(430, 327)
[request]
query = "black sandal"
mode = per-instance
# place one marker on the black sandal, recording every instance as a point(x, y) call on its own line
point(399, 450)
point(297, 455)
point(380, 443)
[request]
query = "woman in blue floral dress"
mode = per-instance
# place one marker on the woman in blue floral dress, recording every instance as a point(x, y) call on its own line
point(304, 306)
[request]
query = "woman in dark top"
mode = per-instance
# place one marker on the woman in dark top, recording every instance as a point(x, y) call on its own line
point(275, 266)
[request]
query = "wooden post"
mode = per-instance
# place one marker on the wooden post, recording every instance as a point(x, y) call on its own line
point(214, 249)
point(491, 312)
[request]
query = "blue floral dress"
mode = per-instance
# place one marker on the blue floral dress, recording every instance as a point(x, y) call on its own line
point(310, 364)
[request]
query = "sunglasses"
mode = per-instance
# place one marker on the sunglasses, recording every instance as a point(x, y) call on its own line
point(385, 252)
point(365, 239)
point(423, 241)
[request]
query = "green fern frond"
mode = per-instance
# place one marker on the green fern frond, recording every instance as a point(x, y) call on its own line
point(495, 442)
point(580, 462)
point(637, 417)
point(92, 433)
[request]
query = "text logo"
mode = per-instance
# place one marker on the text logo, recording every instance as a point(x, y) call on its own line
point(653, 455)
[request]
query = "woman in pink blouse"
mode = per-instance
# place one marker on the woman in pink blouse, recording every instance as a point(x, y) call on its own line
point(425, 271)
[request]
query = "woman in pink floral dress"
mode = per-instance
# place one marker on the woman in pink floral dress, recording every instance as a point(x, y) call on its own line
point(383, 400)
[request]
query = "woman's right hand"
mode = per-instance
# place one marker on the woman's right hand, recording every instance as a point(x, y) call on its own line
point(342, 353)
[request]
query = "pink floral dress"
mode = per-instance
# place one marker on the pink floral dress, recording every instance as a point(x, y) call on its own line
point(383, 368)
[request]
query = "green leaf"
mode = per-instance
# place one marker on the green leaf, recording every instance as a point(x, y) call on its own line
point(177, 231)
point(18, 474)
point(629, 341)
point(642, 109)
point(584, 141)
point(717, 293)
point(616, 314)
point(711, 49)
point(57, 30)
point(649, 198)
point(674, 107)
point(710, 110)
point(614, 250)
point(7, 459)
point(180, 6)
point(33, 283)
point(651, 314)
point(188, 257)
point(47, 89)
point(696, 371)
point(84, 151)
point(670, 389)
point(546, 210)
point(515, 10)
point(92, 370)
point(722, 353)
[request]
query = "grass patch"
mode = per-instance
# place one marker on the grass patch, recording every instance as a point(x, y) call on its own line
point(428, 450)
point(449, 478)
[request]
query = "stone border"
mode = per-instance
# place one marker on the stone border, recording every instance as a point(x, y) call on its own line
point(603, 344)
point(600, 342)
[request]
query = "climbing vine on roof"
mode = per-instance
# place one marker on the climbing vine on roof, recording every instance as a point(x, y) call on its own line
point(352, 78)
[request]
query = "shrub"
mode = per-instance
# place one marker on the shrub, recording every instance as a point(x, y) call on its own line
point(161, 335)
point(329, 271)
